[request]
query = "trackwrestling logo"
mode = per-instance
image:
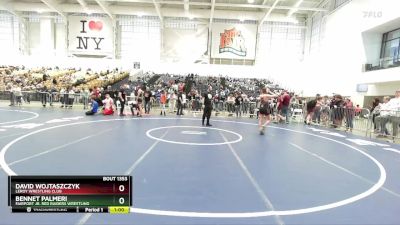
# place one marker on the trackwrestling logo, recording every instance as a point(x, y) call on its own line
point(232, 41)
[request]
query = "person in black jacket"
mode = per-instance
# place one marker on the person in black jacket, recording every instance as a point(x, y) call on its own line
point(43, 95)
point(122, 100)
point(180, 105)
point(238, 104)
point(207, 107)
point(338, 110)
point(147, 100)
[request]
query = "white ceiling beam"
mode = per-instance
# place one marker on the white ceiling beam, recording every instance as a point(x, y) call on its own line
point(52, 5)
point(264, 2)
point(105, 8)
point(158, 11)
point(84, 6)
point(82, 3)
point(186, 6)
point(245, 6)
point(296, 5)
point(167, 2)
point(267, 14)
point(148, 11)
point(211, 14)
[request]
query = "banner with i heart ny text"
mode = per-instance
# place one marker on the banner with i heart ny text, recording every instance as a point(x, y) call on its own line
point(90, 35)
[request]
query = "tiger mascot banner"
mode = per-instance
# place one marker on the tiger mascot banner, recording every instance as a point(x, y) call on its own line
point(233, 41)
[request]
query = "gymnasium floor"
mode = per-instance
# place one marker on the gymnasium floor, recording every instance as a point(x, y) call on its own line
point(187, 174)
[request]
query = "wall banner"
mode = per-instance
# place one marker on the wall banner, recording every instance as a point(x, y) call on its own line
point(233, 41)
point(90, 36)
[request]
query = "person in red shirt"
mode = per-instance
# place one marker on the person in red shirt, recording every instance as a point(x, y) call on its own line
point(349, 113)
point(163, 101)
point(278, 116)
point(283, 107)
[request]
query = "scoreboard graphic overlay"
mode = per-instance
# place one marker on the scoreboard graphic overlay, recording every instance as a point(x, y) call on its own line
point(70, 194)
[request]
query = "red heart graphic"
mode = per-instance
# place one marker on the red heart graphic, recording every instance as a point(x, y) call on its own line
point(92, 25)
point(98, 25)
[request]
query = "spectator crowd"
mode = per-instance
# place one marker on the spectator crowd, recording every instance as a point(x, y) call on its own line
point(180, 94)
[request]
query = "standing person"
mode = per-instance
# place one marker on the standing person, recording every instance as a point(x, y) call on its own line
point(132, 102)
point(222, 99)
point(216, 102)
point(18, 94)
point(382, 117)
point(62, 97)
point(139, 106)
point(52, 94)
point(285, 106)
point(316, 118)
point(108, 105)
point(122, 100)
point(163, 101)
point(180, 105)
point(265, 109)
point(318, 108)
point(278, 116)
point(184, 100)
point(12, 97)
point(43, 95)
point(77, 94)
point(85, 98)
point(394, 112)
point(338, 110)
point(375, 113)
point(95, 106)
point(71, 97)
point(207, 107)
point(172, 101)
point(310, 110)
point(197, 101)
point(245, 107)
point(147, 101)
point(238, 104)
point(231, 102)
point(349, 113)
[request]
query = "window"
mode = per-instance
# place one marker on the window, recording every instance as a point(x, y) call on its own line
point(280, 40)
point(9, 32)
point(139, 38)
point(316, 26)
point(390, 49)
point(339, 3)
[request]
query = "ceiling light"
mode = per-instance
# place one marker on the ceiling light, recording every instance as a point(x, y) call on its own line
point(250, 1)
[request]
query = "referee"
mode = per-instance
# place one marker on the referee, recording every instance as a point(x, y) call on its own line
point(207, 106)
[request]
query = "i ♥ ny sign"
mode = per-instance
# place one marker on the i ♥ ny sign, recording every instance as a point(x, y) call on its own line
point(95, 25)
point(91, 36)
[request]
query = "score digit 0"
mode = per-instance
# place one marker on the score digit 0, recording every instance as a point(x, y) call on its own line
point(121, 200)
point(121, 188)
